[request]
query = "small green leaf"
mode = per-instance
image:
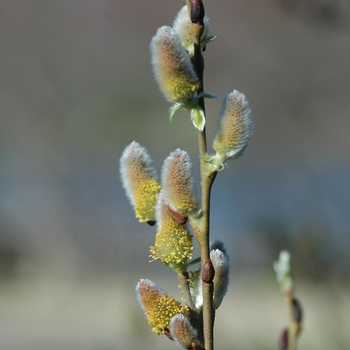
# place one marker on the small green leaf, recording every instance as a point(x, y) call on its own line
point(214, 163)
point(194, 261)
point(198, 118)
point(173, 110)
point(207, 158)
point(206, 95)
point(211, 38)
point(179, 268)
point(207, 40)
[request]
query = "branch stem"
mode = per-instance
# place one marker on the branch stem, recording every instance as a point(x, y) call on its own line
point(292, 330)
point(207, 179)
point(207, 288)
point(206, 184)
point(184, 284)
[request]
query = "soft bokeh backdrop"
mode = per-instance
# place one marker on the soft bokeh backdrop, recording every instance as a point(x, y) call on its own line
point(76, 87)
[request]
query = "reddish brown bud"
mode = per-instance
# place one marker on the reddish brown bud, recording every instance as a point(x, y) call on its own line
point(179, 218)
point(297, 311)
point(283, 343)
point(208, 272)
point(197, 11)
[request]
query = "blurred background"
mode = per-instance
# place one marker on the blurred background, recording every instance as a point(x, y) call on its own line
point(76, 88)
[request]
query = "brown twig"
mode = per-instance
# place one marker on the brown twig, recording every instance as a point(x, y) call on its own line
point(196, 10)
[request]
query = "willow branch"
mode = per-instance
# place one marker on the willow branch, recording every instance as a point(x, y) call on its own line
point(196, 10)
point(184, 284)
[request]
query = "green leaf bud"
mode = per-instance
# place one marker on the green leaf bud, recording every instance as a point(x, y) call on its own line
point(198, 118)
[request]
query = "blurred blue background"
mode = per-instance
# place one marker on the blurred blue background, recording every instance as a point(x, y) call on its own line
point(76, 88)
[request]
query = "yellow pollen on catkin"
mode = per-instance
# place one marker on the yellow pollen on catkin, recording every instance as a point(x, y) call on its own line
point(173, 244)
point(139, 181)
point(145, 196)
point(161, 314)
point(159, 308)
point(172, 67)
point(178, 87)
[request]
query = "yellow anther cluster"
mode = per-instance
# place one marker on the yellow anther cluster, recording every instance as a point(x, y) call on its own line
point(145, 197)
point(173, 244)
point(158, 307)
point(179, 87)
point(164, 309)
point(138, 178)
